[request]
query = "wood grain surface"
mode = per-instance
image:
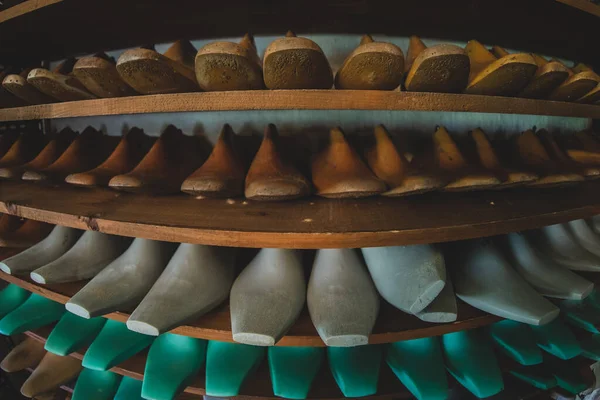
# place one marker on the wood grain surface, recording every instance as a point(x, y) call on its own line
point(305, 224)
point(300, 100)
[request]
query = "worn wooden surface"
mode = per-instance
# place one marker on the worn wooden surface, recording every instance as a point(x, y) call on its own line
point(392, 324)
point(258, 383)
point(308, 223)
point(583, 5)
point(300, 100)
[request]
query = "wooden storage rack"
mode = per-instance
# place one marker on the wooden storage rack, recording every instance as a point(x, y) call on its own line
point(40, 26)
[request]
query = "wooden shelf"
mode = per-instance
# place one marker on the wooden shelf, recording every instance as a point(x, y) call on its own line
point(304, 224)
point(258, 384)
point(392, 324)
point(25, 8)
point(300, 100)
point(583, 5)
point(324, 386)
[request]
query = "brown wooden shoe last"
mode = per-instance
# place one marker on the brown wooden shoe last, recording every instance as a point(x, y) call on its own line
point(273, 175)
point(491, 76)
point(26, 235)
point(224, 66)
point(391, 166)
point(99, 75)
point(371, 66)
point(583, 148)
point(531, 152)
point(60, 83)
point(87, 151)
point(338, 171)
point(17, 84)
point(58, 143)
point(488, 158)
point(565, 162)
point(52, 372)
point(25, 149)
point(549, 76)
point(149, 72)
point(9, 224)
point(128, 153)
point(172, 158)
point(296, 63)
point(462, 175)
point(581, 81)
point(443, 68)
point(26, 354)
point(222, 174)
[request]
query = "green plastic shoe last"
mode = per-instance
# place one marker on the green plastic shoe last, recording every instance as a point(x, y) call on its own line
point(96, 385)
point(12, 297)
point(35, 312)
point(516, 341)
point(537, 376)
point(129, 389)
point(557, 339)
point(356, 369)
point(471, 360)
point(567, 377)
point(293, 369)
point(581, 314)
point(173, 362)
point(113, 345)
point(590, 347)
point(72, 333)
point(419, 365)
point(228, 365)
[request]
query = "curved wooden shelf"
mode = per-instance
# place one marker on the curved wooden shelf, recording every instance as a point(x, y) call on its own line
point(25, 8)
point(583, 5)
point(300, 100)
point(392, 324)
point(304, 224)
point(324, 386)
point(258, 385)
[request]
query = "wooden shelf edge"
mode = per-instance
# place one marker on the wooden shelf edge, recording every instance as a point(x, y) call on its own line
point(303, 224)
point(257, 386)
point(393, 325)
point(583, 5)
point(260, 385)
point(300, 100)
point(25, 8)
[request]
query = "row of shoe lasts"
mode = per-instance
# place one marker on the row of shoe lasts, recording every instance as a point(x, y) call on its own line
point(536, 355)
point(279, 169)
point(299, 63)
point(164, 285)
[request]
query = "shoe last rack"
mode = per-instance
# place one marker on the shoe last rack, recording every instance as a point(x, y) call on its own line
point(55, 29)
